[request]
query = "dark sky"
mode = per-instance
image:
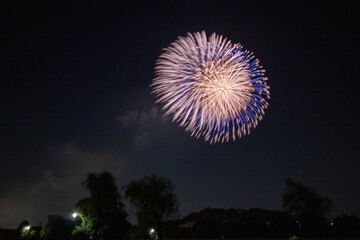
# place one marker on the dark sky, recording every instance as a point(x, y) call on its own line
point(75, 98)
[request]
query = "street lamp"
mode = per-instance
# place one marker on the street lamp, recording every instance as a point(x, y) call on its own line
point(153, 235)
point(27, 228)
point(75, 214)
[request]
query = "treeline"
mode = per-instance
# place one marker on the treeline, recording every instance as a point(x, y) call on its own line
point(259, 223)
point(102, 215)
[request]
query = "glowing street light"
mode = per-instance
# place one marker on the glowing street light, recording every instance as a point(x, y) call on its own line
point(153, 235)
point(27, 228)
point(75, 214)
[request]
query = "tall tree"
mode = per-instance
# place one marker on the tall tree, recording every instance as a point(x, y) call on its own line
point(154, 201)
point(300, 200)
point(309, 208)
point(103, 214)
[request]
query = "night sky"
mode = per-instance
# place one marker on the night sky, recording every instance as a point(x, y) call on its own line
point(75, 99)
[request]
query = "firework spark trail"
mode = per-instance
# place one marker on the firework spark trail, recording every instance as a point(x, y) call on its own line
point(211, 87)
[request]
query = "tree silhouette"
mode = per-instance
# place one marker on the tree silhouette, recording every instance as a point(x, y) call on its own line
point(58, 228)
point(308, 207)
point(300, 200)
point(103, 213)
point(154, 201)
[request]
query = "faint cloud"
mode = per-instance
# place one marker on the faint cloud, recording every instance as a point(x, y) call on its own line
point(140, 117)
point(13, 207)
point(60, 187)
point(149, 115)
point(128, 117)
point(144, 125)
point(82, 161)
point(140, 140)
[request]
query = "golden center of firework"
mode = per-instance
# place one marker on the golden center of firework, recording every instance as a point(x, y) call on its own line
point(224, 87)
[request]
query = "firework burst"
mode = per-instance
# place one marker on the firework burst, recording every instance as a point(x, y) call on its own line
point(210, 86)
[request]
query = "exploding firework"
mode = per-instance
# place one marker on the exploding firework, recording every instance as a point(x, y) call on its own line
point(210, 86)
